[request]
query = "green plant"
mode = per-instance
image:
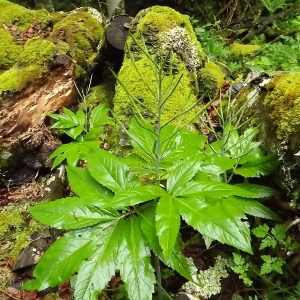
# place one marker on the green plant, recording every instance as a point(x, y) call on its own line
point(128, 210)
point(271, 263)
point(273, 5)
point(84, 128)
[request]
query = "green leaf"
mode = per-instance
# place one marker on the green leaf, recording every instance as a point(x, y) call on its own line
point(259, 166)
point(84, 185)
point(259, 191)
point(74, 132)
point(143, 138)
point(72, 152)
point(253, 208)
point(134, 262)
point(216, 165)
point(167, 224)
point(99, 116)
point(96, 272)
point(219, 220)
point(182, 174)
point(70, 213)
point(136, 195)
point(61, 260)
point(261, 231)
point(178, 143)
point(279, 232)
point(212, 188)
point(139, 165)
point(271, 264)
point(177, 261)
point(110, 171)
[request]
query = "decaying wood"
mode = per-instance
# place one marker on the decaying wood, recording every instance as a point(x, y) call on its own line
point(23, 113)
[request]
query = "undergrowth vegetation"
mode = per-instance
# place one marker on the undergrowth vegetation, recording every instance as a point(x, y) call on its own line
point(126, 215)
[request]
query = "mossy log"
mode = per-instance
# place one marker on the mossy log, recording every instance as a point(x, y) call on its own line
point(45, 56)
point(272, 102)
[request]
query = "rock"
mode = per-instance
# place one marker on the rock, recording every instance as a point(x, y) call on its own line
point(159, 29)
point(272, 101)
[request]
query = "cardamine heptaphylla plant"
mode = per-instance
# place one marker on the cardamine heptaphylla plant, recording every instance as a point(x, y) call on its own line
point(128, 210)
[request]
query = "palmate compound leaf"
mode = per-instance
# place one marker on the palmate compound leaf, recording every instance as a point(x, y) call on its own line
point(183, 173)
point(134, 262)
point(143, 138)
point(259, 191)
point(177, 260)
point(179, 143)
point(95, 272)
point(216, 219)
point(72, 152)
point(61, 260)
point(136, 195)
point(71, 213)
point(84, 185)
point(167, 222)
point(109, 170)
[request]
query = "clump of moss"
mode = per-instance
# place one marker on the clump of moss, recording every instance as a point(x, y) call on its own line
point(80, 34)
point(157, 25)
point(241, 50)
point(15, 230)
point(32, 64)
point(211, 78)
point(21, 18)
point(284, 103)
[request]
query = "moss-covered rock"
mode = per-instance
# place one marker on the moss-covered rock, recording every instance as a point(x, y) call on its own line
point(170, 41)
point(211, 79)
point(21, 19)
point(79, 34)
point(275, 108)
point(242, 50)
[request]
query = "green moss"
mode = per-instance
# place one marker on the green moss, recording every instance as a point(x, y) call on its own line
point(32, 64)
point(9, 49)
point(211, 78)
point(165, 18)
point(22, 18)
point(240, 49)
point(284, 102)
point(83, 33)
point(158, 25)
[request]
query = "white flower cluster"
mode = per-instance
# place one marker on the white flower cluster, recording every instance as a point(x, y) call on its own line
point(209, 280)
point(178, 40)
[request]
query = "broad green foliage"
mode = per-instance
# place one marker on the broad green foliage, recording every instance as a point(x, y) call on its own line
point(115, 221)
point(82, 128)
point(128, 209)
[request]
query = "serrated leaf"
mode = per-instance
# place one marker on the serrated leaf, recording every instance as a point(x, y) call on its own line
point(72, 152)
point(167, 221)
point(261, 231)
point(70, 213)
point(61, 260)
point(143, 138)
point(74, 132)
point(219, 220)
point(211, 188)
point(259, 191)
point(110, 171)
point(139, 165)
point(134, 262)
point(253, 208)
point(182, 174)
point(178, 143)
point(216, 165)
point(136, 195)
point(259, 166)
point(84, 185)
point(96, 272)
point(177, 260)
point(99, 116)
